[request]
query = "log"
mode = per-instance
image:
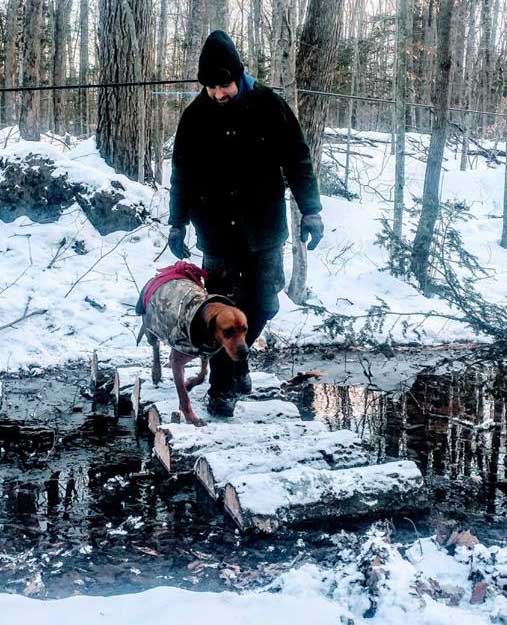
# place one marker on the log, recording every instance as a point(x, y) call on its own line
point(161, 449)
point(94, 372)
point(187, 443)
point(269, 411)
point(268, 501)
point(319, 450)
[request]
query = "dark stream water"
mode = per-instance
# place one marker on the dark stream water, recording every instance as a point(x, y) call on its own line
point(84, 509)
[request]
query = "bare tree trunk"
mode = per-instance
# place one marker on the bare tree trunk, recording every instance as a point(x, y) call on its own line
point(11, 36)
point(286, 47)
point(503, 241)
point(219, 15)
point(315, 66)
point(158, 132)
point(59, 63)
point(430, 203)
point(83, 66)
point(123, 137)
point(29, 122)
point(194, 37)
point(486, 55)
point(467, 97)
point(401, 119)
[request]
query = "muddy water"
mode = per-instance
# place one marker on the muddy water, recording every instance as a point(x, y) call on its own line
point(83, 509)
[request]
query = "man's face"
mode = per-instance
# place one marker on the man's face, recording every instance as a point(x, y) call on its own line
point(223, 93)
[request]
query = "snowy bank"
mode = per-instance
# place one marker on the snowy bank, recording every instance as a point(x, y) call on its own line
point(88, 290)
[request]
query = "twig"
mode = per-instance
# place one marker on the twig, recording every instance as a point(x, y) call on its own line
point(125, 236)
point(25, 316)
point(62, 244)
point(124, 256)
point(2, 291)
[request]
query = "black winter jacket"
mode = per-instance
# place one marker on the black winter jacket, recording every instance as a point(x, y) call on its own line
point(227, 172)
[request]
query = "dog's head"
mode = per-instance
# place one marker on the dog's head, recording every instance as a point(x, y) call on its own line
point(228, 326)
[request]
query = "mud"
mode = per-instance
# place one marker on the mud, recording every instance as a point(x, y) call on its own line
point(85, 509)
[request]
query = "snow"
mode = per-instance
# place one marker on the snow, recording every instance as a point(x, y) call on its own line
point(307, 594)
point(346, 275)
point(348, 283)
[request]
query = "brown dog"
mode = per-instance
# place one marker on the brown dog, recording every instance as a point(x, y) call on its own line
point(182, 315)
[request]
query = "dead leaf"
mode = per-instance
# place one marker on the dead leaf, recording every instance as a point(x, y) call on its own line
point(303, 376)
point(479, 593)
point(465, 539)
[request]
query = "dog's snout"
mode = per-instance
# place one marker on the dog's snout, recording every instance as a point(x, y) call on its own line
point(243, 352)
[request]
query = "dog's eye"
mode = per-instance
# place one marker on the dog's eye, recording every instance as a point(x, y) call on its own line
point(229, 333)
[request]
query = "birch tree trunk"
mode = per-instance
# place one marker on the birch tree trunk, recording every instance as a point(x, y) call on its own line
point(123, 137)
point(59, 63)
point(29, 122)
point(430, 202)
point(83, 66)
point(11, 36)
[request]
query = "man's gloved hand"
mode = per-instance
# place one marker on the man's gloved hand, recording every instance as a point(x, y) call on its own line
point(176, 241)
point(312, 225)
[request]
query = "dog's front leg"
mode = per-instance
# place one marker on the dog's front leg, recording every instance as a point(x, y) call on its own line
point(200, 377)
point(178, 362)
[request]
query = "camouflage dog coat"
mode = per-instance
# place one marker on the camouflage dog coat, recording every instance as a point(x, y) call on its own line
point(173, 316)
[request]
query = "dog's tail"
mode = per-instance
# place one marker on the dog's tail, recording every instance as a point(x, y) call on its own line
point(142, 332)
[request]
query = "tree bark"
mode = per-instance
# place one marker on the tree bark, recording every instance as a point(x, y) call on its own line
point(194, 38)
point(401, 120)
point(341, 449)
point(11, 36)
point(83, 66)
point(430, 202)
point(158, 132)
point(316, 62)
point(29, 122)
point(503, 241)
point(123, 137)
point(219, 15)
point(302, 495)
point(59, 64)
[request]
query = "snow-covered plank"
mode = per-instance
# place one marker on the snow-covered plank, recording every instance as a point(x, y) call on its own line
point(187, 443)
point(263, 381)
point(268, 500)
point(320, 450)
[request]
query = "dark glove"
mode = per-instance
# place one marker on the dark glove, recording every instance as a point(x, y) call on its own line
point(312, 225)
point(176, 241)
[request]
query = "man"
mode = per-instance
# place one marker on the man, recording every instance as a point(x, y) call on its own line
point(231, 145)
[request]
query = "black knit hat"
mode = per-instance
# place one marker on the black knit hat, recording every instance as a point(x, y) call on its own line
point(219, 63)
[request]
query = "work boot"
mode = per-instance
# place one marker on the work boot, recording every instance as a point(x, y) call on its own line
point(221, 404)
point(243, 384)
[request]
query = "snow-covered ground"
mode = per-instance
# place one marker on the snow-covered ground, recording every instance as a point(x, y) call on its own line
point(373, 584)
point(347, 282)
point(88, 302)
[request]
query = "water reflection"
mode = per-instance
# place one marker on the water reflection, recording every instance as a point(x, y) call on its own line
point(452, 424)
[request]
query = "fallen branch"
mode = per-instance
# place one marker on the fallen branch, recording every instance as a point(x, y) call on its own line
point(42, 311)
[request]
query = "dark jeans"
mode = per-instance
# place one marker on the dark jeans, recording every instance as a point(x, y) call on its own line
point(252, 282)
